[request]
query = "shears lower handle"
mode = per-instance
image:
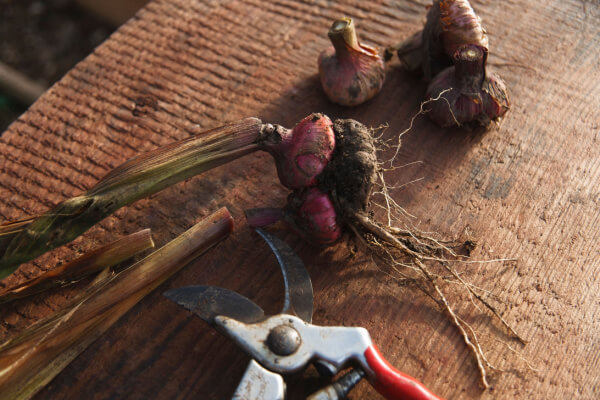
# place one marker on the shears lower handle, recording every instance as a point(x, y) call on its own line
point(259, 383)
point(391, 383)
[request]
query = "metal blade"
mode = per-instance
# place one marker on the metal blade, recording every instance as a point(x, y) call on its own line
point(209, 301)
point(298, 287)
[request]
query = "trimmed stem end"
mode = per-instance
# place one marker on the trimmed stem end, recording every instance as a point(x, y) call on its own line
point(469, 63)
point(259, 217)
point(343, 35)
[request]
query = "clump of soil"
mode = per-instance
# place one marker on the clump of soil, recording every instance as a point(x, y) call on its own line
point(352, 171)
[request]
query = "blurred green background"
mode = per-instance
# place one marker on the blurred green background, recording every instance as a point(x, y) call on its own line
point(42, 40)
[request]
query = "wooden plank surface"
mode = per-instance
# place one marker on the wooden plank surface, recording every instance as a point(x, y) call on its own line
point(528, 190)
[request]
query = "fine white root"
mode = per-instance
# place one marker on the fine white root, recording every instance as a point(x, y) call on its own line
point(410, 256)
point(473, 345)
point(421, 111)
point(529, 365)
point(483, 301)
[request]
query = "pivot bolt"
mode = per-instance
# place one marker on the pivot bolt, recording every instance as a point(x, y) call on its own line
point(283, 340)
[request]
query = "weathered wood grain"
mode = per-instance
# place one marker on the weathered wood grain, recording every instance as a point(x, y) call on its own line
point(527, 189)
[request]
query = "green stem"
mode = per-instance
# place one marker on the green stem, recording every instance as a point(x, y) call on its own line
point(343, 37)
point(137, 178)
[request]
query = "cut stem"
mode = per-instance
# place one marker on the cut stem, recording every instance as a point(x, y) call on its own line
point(103, 257)
point(135, 179)
point(343, 36)
point(469, 70)
point(32, 359)
point(259, 217)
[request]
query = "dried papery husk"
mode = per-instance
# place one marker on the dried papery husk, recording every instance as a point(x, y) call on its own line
point(351, 73)
point(450, 25)
point(460, 25)
point(410, 52)
point(471, 95)
point(33, 358)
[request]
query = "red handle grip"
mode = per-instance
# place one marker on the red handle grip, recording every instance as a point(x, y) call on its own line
point(393, 384)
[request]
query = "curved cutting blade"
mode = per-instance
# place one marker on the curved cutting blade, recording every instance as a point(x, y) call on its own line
point(209, 301)
point(298, 287)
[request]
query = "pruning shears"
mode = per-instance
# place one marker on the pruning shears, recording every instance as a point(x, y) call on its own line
point(287, 342)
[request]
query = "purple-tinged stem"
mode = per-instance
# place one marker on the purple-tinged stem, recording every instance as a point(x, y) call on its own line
point(259, 217)
point(469, 69)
